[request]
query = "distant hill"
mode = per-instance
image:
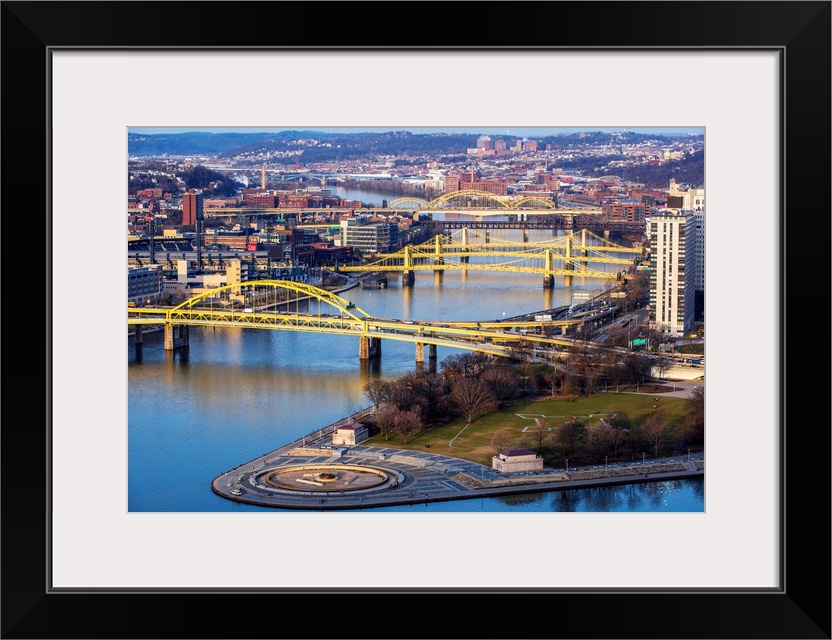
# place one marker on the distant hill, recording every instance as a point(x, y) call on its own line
point(595, 138)
point(299, 146)
point(308, 146)
point(690, 170)
point(195, 143)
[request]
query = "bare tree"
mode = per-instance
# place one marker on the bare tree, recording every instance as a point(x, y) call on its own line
point(696, 400)
point(656, 429)
point(694, 420)
point(553, 378)
point(527, 380)
point(603, 437)
point(617, 373)
point(568, 435)
point(408, 422)
point(472, 397)
point(541, 434)
point(637, 438)
point(620, 422)
point(618, 437)
point(592, 375)
point(466, 364)
point(663, 365)
point(434, 391)
point(501, 381)
point(569, 387)
point(377, 391)
point(386, 419)
point(638, 368)
point(404, 392)
point(501, 440)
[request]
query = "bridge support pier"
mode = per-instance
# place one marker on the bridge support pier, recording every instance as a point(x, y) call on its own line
point(432, 352)
point(420, 352)
point(408, 278)
point(138, 336)
point(368, 347)
point(176, 336)
point(548, 282)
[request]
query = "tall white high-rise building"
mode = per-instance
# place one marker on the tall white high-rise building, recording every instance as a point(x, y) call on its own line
point(673, 243)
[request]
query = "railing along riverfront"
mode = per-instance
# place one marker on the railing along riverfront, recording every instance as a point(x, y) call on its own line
point(324, 432)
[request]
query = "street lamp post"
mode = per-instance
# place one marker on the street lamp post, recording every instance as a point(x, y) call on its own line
point(567, 465)
point(605, 461)
point(688, 455)
point(642, 457)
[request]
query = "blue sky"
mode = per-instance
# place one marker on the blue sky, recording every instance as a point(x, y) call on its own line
point(519, 131)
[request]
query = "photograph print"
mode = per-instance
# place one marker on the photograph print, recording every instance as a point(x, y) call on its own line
point(445, 319)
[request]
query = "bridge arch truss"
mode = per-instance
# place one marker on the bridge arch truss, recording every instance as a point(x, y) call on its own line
point(349, 320)
point(338, 303)
point(409, 203)
point(538, 201)
point(483, 198)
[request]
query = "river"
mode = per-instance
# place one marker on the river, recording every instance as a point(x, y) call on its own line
point(235, 394)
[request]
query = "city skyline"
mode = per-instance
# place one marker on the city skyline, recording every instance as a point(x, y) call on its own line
point(506, 130)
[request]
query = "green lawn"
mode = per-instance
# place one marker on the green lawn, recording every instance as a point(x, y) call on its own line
point(474, 441)
point(698, 349)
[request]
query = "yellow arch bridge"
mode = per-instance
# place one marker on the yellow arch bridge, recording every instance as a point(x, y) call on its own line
point(569, 255)
point(469, 197)
point(326, 312)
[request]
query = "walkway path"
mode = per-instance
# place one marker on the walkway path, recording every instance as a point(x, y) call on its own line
point(418, 477)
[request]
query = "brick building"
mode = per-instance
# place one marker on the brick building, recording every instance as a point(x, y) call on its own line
point(626, 211)
point(456, 183)
point(192, 207)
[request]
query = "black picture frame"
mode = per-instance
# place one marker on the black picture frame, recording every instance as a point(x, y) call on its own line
point(800, 608)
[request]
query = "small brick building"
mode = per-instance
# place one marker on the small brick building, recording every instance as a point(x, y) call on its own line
point(349, 434)
point(517, 460)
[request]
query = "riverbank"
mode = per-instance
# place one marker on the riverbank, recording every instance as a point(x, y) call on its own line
point(366, 476)
point(405, 477)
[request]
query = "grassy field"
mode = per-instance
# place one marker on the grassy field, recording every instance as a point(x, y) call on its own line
point(473, 442)
point(698, 348)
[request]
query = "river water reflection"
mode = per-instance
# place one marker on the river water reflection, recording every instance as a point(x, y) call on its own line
point(235, 394)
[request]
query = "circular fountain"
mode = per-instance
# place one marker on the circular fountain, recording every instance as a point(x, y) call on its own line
point(328, 478)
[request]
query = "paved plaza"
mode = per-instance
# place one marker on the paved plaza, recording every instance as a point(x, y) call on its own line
point(321, 477)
